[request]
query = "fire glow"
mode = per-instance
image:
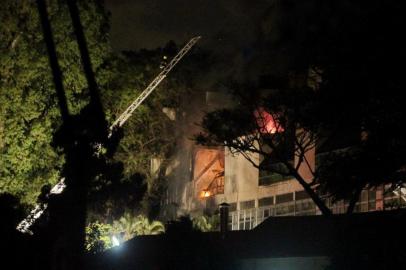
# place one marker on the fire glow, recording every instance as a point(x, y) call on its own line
point(205, 194)
point(266, 122)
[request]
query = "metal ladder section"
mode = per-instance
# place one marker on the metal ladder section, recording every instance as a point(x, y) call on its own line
point(39, 209)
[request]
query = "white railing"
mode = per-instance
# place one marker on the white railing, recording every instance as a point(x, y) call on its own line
point(247, 219)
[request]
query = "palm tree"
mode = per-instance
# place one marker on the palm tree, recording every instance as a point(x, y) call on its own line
point(144, 227)
point(130, 226)
point(203, 224)
point(125, 226)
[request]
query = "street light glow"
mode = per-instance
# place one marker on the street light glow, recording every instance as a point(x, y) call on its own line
point(115, 241)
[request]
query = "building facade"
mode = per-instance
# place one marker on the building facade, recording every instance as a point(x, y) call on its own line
point(201, 178)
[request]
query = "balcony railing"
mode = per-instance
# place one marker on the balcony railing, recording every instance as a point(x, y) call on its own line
point(249, 218)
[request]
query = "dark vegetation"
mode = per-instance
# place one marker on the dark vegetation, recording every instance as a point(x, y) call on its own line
point(328, 73)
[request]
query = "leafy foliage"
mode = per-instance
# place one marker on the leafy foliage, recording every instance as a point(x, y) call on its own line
point(98, 237)
point(145, 227)
point(129, 226)
point(148, 132)
point(28, 112)
point(206, 223)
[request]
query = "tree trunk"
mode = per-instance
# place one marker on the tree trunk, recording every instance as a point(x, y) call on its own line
point(316, 199)
point(353, 201)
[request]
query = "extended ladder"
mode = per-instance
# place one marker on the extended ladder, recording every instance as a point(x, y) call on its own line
point(25, 224)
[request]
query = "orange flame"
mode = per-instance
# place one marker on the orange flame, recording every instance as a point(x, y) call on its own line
point(266, 122)
point(205, 194)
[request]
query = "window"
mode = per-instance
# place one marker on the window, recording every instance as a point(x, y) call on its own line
point(284, 204)
point(372, 195)
point(208, 171)
point(264, 212)
point(285, 209)
point(267, 213)
point(265, 201)
point(247, 219)
point(372, 200)
point(247, 205)
point(232, 207)
point(304, 205)
point(288, 197)
point(301, 195)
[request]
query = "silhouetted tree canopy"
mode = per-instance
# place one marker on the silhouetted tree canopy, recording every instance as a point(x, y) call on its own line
point(29, 112)
point(331, 72)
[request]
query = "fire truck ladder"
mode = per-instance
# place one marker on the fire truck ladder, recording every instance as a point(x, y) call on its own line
point(25, 224)
point(151, 87)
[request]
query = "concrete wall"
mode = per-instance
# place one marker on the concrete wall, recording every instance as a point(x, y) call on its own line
point(241, 180)
point(309, 163)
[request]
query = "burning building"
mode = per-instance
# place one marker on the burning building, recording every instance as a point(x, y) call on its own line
point(201, 178)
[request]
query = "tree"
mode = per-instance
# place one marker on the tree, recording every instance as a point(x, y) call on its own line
point(245, 131)
point(205, 223)
point(126, 226)
point(145, 227)
point(331, 68)
point(29, 113)
point(129, 226)
point(98, 237)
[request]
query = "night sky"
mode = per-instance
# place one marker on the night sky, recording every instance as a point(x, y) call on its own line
point(225, 24)
point(229, 29)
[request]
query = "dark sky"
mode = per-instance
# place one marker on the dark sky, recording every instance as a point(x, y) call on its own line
point(230, 24)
